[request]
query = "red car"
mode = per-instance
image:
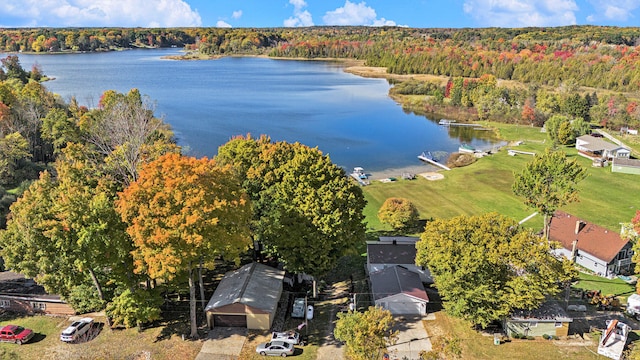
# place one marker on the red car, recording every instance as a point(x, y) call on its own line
point(15, 334)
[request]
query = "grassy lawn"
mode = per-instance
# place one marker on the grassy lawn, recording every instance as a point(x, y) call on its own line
point(606, 198)
point(116, 344)
point(475, 346)
point(616, 286)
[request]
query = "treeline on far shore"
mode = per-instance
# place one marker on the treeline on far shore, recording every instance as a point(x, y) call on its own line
point(593, 56)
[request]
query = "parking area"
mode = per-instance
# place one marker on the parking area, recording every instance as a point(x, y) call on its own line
point(223, 343)
point(412, 339)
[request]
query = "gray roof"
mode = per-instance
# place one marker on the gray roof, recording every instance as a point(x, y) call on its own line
point(398, 239)
point(386, 252)
point(596, 144)
point(256, 285)
point(396, 280)
point(626, 162)
point(549, 311)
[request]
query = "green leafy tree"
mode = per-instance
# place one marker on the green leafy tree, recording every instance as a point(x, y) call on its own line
point(548, 182)
point(366, 334)
point(13, 149)
point(182, 209)
point(399, 213)
point(487, 266)
point(132, 308)
point(306, 211)
point(65, 233)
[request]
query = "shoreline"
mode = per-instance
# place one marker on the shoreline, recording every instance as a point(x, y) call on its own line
point(416, 170)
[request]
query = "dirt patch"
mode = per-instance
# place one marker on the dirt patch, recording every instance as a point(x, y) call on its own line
point(432, 176)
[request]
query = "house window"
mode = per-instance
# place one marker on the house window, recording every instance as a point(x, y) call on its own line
point(533, 324)
point(558, 324)
point(38, 305)
point(5, 303)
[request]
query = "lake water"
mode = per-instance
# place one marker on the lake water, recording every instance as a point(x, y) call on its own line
point(316, 103)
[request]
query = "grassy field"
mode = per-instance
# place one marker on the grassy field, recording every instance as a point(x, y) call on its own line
point(475, 346)
point(116, 344)
point(606, 198)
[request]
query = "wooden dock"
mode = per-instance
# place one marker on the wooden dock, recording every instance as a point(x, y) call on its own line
point(428, 158)
point(515, 152)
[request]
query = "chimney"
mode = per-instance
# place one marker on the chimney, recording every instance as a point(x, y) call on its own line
point(574, 250)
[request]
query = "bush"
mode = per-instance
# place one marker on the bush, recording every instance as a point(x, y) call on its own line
point(546, 337)
point(531, 337)
point(460, 160)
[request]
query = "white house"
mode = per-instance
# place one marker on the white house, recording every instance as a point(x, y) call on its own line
point(598, 148)
point(392, 251)
point(399, 290)
point(598, 249)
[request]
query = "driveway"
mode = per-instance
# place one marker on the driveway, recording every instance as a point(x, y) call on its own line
point(412, 338)
point(223, 343)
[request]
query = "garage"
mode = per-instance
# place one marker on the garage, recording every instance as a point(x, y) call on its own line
point(246, 297)
point(399, 290)
point(230, 320)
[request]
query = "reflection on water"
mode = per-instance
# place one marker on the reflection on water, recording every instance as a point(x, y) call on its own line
point(207, 102)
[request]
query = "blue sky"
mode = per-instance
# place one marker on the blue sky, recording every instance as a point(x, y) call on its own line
point(278, 13)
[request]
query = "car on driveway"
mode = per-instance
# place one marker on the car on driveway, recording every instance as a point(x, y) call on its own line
point(291, 337)
point(74, 331)
point(298, 308)
point(15, 334)
point(276, 348)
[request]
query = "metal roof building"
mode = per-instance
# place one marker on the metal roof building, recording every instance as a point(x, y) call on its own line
point(247, 297)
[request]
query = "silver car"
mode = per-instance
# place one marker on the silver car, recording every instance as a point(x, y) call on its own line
point(276, 348)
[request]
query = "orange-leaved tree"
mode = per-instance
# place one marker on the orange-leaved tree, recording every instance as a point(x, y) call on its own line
point(181, 209)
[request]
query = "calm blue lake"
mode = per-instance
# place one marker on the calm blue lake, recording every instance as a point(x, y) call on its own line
point(312, 102)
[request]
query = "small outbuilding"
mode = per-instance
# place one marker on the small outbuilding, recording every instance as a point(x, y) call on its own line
point(550, 319)
point(399, 290)
point(247, 297)
point(626, 166)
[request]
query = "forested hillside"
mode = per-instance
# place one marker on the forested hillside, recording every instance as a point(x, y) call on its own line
point(594, 56)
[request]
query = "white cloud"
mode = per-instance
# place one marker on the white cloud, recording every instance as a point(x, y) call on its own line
point(617, 10)
point(522, 13)
point(223, 24)
point(355, 14)
point(237, 14)
point(144, 13)
point(300, 17)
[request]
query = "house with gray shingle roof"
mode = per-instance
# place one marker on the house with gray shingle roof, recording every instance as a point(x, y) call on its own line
point(399, 290)
point(392, 251)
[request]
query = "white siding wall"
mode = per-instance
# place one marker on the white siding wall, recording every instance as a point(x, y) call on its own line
point(402, 304)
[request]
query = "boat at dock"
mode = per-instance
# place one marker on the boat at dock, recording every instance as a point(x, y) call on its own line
point(360, 176)
point(466, 148)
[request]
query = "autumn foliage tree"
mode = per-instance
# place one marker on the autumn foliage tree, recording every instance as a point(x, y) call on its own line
point(181, 209)
point(398, 212)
